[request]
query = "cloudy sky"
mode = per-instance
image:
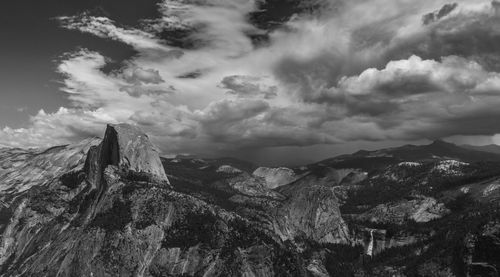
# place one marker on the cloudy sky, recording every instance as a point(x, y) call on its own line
point(286, 81)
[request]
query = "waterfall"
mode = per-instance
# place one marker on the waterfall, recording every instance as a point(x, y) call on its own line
point(369, 250)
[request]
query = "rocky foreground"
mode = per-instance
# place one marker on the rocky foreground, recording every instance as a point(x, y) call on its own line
point(113, 207)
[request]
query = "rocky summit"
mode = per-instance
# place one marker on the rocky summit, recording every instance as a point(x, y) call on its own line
point(130, 150)
point(114, 207)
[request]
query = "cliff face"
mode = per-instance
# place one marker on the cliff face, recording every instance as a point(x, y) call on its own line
point(115, 214)
point(130, 151)
point(310, 211)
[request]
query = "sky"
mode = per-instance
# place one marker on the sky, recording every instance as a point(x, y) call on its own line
point(275, 82)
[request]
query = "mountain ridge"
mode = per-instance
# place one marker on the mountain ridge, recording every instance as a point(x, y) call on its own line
point(113, 207)
point(437, 150)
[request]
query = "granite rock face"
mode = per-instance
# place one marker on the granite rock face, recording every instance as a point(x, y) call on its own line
point(251, 186)
point(130, 150)
point(276, 177)
point(113, 212)
point(134, 151)
point(21, 170)
point(310, 211)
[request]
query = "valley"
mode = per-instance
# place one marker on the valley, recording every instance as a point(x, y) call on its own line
point(113, 207)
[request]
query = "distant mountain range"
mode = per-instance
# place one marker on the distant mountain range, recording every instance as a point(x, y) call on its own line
point(437, 150)
point(113, 207)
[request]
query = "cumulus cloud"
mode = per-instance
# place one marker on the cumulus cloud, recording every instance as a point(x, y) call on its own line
point(470, 32)
point(199, 83)
point(416, 76)
point(423, 98)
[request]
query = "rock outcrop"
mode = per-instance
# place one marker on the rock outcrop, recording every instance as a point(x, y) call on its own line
point(22, 170)
point(228, 169)
point(251, 186)
point(130, 150)
point(420, 209)
point(276, 177)
point(312, 212)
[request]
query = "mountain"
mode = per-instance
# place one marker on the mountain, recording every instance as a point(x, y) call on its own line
point(194, 161)
point(491, 148)
point(113, 207)
point(109, 208)
point(437, 150)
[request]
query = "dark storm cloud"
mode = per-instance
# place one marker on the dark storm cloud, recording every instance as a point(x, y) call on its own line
point(474, 35)
point(381, 32)
point(475, 123)
point(496, 6)
point(313, 76)
point(416, 84)
point(224, 121)
point(434, 16)
point(191, 75)
point(255, 124)
point(367, 106)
